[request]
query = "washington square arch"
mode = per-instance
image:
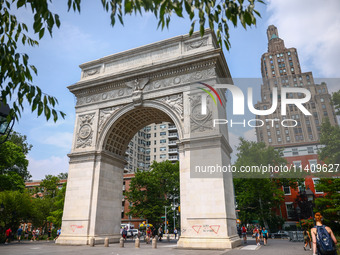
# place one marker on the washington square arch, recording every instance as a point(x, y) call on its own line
point(118, 95)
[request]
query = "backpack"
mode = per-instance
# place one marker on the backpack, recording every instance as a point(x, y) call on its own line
point(324, 240)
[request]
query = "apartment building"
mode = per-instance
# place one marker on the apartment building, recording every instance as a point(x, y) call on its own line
point(155, 142)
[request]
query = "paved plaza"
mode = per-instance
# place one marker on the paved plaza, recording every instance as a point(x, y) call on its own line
point(277, 247)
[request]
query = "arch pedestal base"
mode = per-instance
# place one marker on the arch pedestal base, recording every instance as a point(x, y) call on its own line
point(209, 243)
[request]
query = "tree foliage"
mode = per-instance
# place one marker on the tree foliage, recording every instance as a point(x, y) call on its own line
point(336, 101)
point(330, 138)
point(151, 190)
point(57, 214)
point(11, 181)
point(49, 185)
point(258, 198)
point(13, 155)
point(18, 207)
point(16, 73)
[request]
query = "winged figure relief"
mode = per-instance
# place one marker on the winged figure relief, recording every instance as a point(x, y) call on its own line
point(137, 84)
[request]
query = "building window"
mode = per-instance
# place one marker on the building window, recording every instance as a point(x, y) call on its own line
point(286, 190)
point(162, 133)
point(315, 182)
point(288, 138)
point(313, 164)
point(154, 149)
point(310, 150)
point(163, 126)
point(270, 140)
point(295, 151)
point(162, 149)
point(154, 127)
point(290, 210)
point(155, 142)
point(162, 156)
point(278, 132)
point(288, 53)
point(297, 164)
point(162, 141)
point(155, 135)
point(323, 106)
point(322, 100)
point(279, 139)
point(268, 133)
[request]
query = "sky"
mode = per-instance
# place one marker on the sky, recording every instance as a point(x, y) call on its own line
point(311, 26)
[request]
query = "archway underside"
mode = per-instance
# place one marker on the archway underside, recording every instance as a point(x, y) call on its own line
point(128, 125)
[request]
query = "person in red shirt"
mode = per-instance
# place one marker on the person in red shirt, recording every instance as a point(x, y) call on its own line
point(8, 234)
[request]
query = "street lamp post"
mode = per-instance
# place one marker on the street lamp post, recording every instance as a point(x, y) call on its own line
point(298, 211)
point(310, 198)
point(166, 226)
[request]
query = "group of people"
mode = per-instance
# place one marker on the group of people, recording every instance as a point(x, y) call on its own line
point(322, 237)
point(260, 234)
point(35, 234)
point(153, 232)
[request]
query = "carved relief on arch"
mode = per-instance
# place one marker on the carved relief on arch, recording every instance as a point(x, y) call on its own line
point(104, 115)
point(175, 102)
point(199, 122)
point(85, 131)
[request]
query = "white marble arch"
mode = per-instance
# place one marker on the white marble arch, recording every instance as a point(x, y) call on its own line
point(119, 94)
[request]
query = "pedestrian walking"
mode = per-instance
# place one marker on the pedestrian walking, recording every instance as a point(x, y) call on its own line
point(33, 235)
point(26, 233)
point(160, 234)
point(264, 235)
point(19, 232)
point(49, 231)
point(124, 234)
point(8, 235)
point(175, 232)
point(58, 234)
point(324, 241)
point(256, 234)
point(244, 234)
point(306, 238)
point(37, 232)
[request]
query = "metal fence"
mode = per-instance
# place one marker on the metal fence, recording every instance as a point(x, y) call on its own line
point(296, 236)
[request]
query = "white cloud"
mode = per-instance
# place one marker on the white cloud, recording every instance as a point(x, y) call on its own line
point(250, 135)
point(311, 26)
point(53, 165)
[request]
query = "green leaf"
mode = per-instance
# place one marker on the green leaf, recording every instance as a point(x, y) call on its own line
point(41, 33)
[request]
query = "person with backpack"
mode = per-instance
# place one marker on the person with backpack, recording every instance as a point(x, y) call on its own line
point(324, 241)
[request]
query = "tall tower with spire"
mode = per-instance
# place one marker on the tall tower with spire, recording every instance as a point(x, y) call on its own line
point(280, 67)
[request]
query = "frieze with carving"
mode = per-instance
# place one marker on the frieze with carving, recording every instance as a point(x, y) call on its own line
point(104, 115)
point(199, 122)
point(175, 102)
point(85, 131)
point(90, 72)
point(197, 44)
point(150, 85)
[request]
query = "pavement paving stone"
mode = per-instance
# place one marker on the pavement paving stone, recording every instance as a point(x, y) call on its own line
point(274, 247)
